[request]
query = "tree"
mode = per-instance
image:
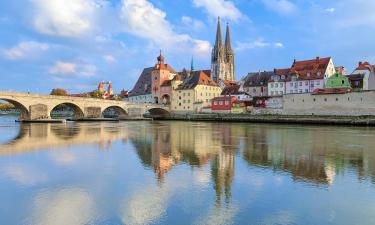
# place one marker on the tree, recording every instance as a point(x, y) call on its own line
point(5, 106)
point(59, 92)
point(97, 94)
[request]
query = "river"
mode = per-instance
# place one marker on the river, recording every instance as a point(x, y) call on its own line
point(185, 173)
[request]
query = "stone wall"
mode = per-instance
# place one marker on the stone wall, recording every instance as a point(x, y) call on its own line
point(350, 104)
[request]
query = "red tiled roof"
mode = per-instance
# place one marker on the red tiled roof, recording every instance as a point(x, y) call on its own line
point(223, 98)
point(197, 78)
point(329, 91)
point(282, 71)
point(231, 90)
point(229, 82)
point(310, 69)
point(365, 66)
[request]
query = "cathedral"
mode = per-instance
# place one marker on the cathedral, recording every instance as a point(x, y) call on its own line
point(222, 60)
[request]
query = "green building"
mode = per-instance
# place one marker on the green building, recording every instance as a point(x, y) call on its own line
point(337, 81)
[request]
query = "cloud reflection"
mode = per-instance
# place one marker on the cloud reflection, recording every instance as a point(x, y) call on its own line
point(24, 174)
point(68, 206)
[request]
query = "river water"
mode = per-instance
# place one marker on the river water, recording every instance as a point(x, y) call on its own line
point(185, 173)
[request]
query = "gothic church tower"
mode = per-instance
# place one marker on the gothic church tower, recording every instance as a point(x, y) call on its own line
point(222, 60)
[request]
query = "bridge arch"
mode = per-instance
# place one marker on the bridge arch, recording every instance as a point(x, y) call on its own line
point(76, 111)
point(114, 112)
point(25, 113)
point(154, 112)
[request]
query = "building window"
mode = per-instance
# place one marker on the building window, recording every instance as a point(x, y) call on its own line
point(306, 83)
point(271, 85)
point(281, 93)
point(317, 82)
point(215, 102)
point(276, 85)
point(271, 92)
point(281, 85)
point(306, 90)
point(300, 90)
point(179, 104)
point(300, 83)
point(291, 84)
point(226, 102)
point(220, 102)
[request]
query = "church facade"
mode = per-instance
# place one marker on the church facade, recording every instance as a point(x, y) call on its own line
point(222, 59)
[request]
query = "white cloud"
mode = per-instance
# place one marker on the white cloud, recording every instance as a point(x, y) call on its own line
point(192, 24)
point(88, 70)
point(61, 67)
point(109, 59)
point(330, 10)
point(141, 18)
point(25, 49)
point(70, 18)
point(259, 43)
point(70, 68)
point(283, 7)
point(353, 18)
point(223, 8)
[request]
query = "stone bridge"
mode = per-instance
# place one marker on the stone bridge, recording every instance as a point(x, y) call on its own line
point(37, 106)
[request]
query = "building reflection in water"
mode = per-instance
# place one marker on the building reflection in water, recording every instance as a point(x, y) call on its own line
point(313, 155)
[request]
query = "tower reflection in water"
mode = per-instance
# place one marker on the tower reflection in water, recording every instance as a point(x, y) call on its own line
point(307, 154)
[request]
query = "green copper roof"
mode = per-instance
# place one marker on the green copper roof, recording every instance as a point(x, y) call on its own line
point(337, 81)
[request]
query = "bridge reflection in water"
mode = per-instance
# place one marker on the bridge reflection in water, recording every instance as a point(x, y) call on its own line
point(206, 173)
point(163, 145)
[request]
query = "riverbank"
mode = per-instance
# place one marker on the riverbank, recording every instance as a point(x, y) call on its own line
point(286, 119)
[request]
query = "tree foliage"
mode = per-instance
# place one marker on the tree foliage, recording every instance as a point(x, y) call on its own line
point(97, 94)
point(59, 92)
point(6, 106)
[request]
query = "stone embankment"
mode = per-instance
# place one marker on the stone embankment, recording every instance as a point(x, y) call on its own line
point(286, 119)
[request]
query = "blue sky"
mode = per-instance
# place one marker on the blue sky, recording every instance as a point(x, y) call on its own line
point(74, 44)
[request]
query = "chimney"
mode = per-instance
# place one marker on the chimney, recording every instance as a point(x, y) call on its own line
point(317, 59)
point(360, 63)
point(274, 70)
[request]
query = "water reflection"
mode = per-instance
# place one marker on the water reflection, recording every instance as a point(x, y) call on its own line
point(313, 155)
point(220, 155)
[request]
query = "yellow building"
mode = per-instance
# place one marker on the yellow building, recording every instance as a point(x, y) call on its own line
point(194, 93)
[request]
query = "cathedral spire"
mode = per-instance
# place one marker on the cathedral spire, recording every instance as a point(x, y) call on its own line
point(192, 64)
point(218, 42)
point(228, 46)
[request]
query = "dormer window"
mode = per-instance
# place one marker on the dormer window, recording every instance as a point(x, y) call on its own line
point(319, 73)
point(282, 77)
point(308, 74)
